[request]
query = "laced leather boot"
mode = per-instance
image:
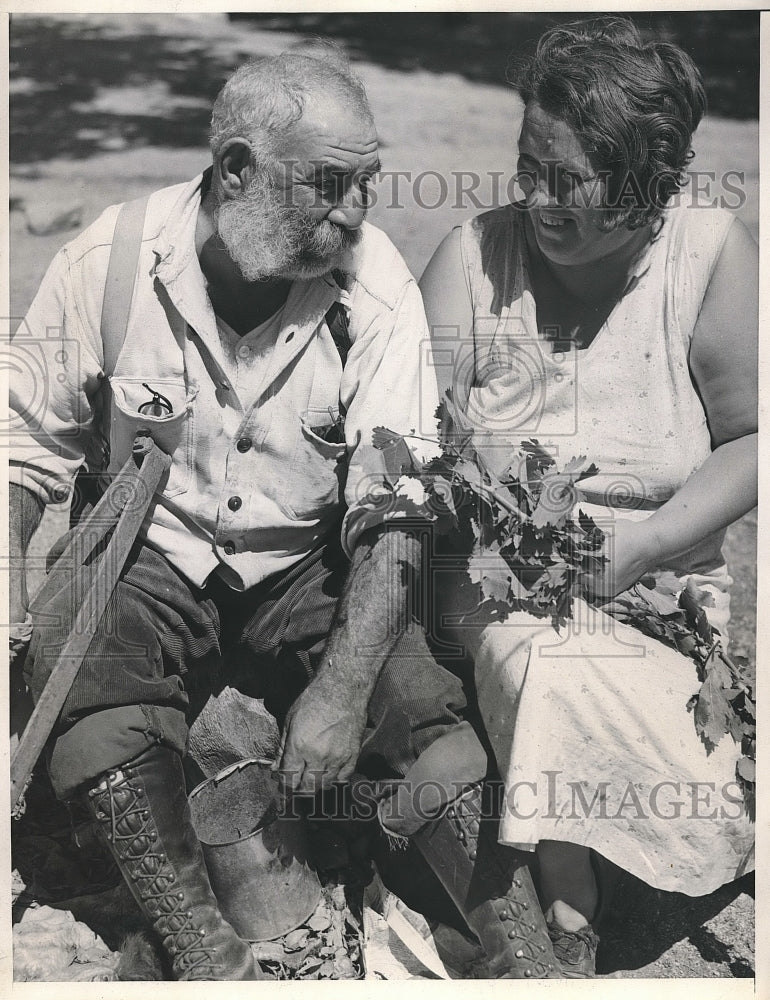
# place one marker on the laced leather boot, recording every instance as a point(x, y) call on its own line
point(492, 888)
point(142, 811)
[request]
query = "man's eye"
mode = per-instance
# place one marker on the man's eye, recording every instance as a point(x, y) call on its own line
point(332, 185)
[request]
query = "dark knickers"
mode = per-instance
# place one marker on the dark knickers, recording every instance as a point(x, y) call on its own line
point(164, 645)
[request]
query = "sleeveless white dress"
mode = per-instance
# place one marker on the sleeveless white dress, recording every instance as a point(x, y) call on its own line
point(590, 727)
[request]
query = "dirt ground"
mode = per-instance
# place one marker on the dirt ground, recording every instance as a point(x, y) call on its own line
point(105, 108)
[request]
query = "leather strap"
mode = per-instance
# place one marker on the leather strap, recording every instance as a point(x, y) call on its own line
point(121, 278)
point(116, 307)
point(118, 515)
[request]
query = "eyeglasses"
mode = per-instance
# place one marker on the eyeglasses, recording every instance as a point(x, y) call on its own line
point(158, 406)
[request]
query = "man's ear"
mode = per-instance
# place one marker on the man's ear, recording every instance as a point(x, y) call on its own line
point(235, 167)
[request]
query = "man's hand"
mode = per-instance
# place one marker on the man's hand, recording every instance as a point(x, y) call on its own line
point(322, 736)
point(324, 728)
point(633, 551)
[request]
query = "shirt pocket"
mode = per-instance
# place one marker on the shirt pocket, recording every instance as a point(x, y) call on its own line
point(316, 480)
point(174, 433)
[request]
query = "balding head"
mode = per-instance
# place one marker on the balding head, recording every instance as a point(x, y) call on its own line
point(263, 99)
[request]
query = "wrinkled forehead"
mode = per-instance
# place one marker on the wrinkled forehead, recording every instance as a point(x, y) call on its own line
point(337, 132)
point(547, 135)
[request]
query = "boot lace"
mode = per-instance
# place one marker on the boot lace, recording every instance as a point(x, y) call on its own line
point(136, 841)
point(509, 882)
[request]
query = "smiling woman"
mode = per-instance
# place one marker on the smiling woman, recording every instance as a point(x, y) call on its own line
point(622, 294)
point(635, 108)
point(568, 197)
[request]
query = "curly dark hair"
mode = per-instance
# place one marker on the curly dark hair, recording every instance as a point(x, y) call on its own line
point(633, 105)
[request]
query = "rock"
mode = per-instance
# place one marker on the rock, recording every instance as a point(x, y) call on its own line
point(47, 942)
point(296, 940)
point(268, 951)
point(319, 922)
point(230, 728)
point(344, 968)
point(44, 218)
point(89, 973)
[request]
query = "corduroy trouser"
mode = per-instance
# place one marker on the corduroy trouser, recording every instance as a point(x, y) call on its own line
point(164, 645)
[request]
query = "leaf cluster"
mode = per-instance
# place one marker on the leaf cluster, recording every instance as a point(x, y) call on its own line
point(724, 703)
point(527, 552)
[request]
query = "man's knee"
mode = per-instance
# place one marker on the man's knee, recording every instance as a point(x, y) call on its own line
point(105, 740)
point(415, 701)
point(124, 652)
point(412, 678)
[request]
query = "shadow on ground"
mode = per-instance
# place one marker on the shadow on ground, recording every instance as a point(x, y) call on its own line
point(644, 923)
point(78, 88)
point(67, 83)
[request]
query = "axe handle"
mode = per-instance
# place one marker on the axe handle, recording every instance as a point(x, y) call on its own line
point(105, 575)
point(93, 528)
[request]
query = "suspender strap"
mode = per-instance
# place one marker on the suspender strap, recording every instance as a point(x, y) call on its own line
point(116, 306)
point(121, 278)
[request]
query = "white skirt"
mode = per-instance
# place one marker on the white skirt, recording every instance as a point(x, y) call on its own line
point(596, 747)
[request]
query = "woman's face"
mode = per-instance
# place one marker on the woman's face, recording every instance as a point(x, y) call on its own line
point(565, 195)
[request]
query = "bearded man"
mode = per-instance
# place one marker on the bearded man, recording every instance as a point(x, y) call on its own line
point(256, 542)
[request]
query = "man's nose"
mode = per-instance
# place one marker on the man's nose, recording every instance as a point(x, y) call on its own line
point(350, 210)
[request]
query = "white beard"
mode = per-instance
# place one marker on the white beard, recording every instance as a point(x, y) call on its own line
point(268, 239)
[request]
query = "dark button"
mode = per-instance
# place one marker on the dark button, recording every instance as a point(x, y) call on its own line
point(229, 548)
point(60, 493)
point(234, 503)
point(244, 444)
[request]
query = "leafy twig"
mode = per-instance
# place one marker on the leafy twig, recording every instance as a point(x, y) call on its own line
point(530, 554)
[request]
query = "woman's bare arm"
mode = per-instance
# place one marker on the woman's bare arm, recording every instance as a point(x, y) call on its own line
point(723, 361)
point(449, 310)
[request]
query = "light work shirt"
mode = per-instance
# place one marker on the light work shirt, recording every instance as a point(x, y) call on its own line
point(254, 485)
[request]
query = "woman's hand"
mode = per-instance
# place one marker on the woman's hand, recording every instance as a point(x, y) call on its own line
point(632, 549)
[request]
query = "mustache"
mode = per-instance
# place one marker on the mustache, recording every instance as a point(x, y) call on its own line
point(327, 238)
point(268, 238)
